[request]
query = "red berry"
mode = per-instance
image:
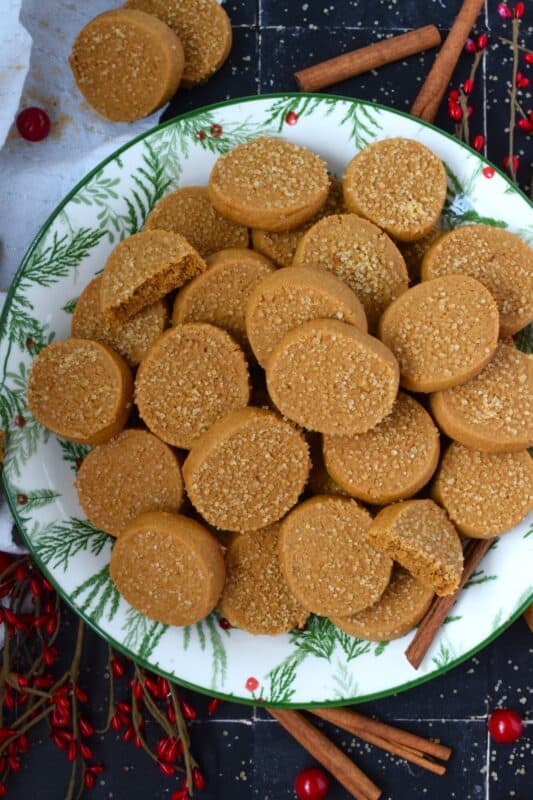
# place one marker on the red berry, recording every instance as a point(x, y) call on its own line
point(3, 790)
point(453, 97)
point(200, 135)
point(468, 86)
point(213, 704)
point(504, 11)
point(33, 124)
point(89, 780)
point(20, 572)
point(116, 724)
point(128, 734)
point(224, 624)
point(82, 696)
point(470, 46)
point(516, 162)
point(519, 10)
point(47, 585)
point(216, 131)
point(12, 749)
point(454, 111)
point(311, 784)
point(525, 125)
point(72, 751)
point(138, 690)
point(97, 769)
point(86, 728)
point(251, 684)
point(171, 714)
point(14, 764)
point(505, 725)
point(291, 118)
point(530, 116)
point(164, 687)
point(528, 58)
point(58, 741)
point(482, 41)
point(23, 743)
point(20, 421)
point(198, 779)
point(50, 654)
point(151, 685)
point(166, 769)
point(470, 110)
point(187, 710)
point(22, 681)
point(86, 751)
point(180, 794)
point(521, 81)
point(124, 708)
point(117, 668)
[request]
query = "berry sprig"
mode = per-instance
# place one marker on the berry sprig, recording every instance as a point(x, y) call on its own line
point(460, 108)
point(519, 81)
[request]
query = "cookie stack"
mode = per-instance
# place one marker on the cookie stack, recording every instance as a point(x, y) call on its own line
point(294, 455)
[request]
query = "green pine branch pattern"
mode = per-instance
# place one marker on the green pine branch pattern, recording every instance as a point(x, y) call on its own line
point(70, 305)
point(276, 115)
point(529, 532)
point(380, 648)
point(23, 432)
point(33, 499)
point(445, 655)
point(282, 678)
point(73, 453)
point(363, 124)
point(318, 637)
point(478, 577)
point(345, 682)
point(352, 646)
point(459, 208)
point(98, 597)
point(142, 635)
point(219, 656)
point(59, 543)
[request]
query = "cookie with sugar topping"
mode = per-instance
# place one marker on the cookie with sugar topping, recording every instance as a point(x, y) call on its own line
point(269, 183)
point(399, 184)
point(485, 494)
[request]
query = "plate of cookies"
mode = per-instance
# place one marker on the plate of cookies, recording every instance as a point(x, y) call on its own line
point(265, 377)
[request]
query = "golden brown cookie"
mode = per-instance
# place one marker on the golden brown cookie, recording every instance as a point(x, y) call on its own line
point(202, 26)
point(220, 294)
point(485, 494)
point(398, 184)
point(256, 597)
point(494, 410)
point(419, 535)
point(290, 296)
point(188, 211)
point(392, 461)
point(443, 332)
point(131, 339)
point(414, 252)
point(401, 606)
point(247, 470)
point(168, 567)
point(269, 183)
point(330, 377)
point(143, 269)
point(281, 247)
point(133, 473)
point(327, 559)
point(81, 390)
point(361, 255)
point(192, 376)
point(499, 259)
point(126, 64)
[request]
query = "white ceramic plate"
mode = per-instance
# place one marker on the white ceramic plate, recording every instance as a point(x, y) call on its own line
point(321, 665)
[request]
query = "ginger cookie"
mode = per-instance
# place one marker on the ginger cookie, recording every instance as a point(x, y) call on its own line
point(80, 390)
point(419, 536)
point(256, 597)
point(247, 470)
point(202, 26)
point(131, 339)
point(192, 376)
point(126, 64)
point(361, 255)
point(220, 294)
point(494, 410)
point(398, 184)
point(133, 473)
point(168, 567)
point(327, 559)
point(269, 183)
point(485, 494)
point(414, 252)
point(332, 378)
point(402, 605)
point(392, 461)
point(500, 260)
point(144, 268)
point(288, 297)
point(443, 332)
point(188, 211)
point(281, 247)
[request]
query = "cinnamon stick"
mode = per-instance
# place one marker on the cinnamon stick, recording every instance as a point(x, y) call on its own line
point(366, 58)
point(430, 96)
point(325, 752)
point(438, 611)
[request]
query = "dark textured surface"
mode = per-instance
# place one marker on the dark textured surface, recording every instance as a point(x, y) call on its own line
point(243, 753)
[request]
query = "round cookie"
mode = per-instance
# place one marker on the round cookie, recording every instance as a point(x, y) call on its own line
point(269, 183)
point(288, 297)
point(500, 260)
point(392, 461)
point(256, 597)
point(168, 567)
point(144, 268)
point(281, 247)
point(192, 376)
point(402, 605)
point(328, 562)
point(493, 411)
point(361, 255)
point(485, 494)
point(443, 332)
point(133, 473)
point(114, 51)
point(187, 211)
point(131, 339)
point(399, 184)
point(247, 470)
point(202, 26)
point(220, 294)
point(332, 378)
point(80, 390)
point(414, 252)
point(419, 536)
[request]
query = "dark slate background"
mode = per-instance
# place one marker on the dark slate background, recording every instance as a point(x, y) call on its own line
point(243, 753)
